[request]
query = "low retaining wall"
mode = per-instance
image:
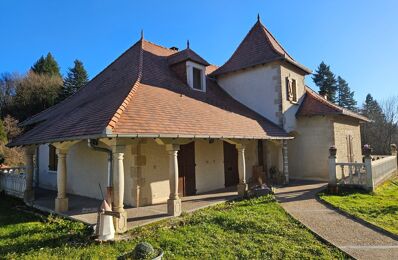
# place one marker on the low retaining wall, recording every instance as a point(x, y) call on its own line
point(369, 174)
point(383, 169)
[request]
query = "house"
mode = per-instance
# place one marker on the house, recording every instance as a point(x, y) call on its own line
point(159, 123)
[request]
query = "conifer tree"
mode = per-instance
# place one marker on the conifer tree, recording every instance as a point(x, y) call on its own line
point(46, 65)
point(345, 97)
point(326, 81)
point(77, 77)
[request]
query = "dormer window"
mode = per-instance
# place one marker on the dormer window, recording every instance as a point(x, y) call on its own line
point(196, 77)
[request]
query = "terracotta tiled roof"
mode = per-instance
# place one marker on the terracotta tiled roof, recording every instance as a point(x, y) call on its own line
point(185, 55)
point(258, 47)
point(138, 94)
point(314, 105)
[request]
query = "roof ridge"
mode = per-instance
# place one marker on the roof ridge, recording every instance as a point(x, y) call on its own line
point(323, 100)
point(23, 123)
point(328, 103)
point(277, 42)
point(237, 48)
point(115, 118)
point(160, 46)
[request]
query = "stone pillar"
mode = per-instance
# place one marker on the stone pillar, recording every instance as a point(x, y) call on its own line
point(118, 188)
point(285, 161)
point(61, 202)
point(242, 186)
point(174, 202)
point(29, 194)
point(367, 151)
point(332, 170)
point(394, 151)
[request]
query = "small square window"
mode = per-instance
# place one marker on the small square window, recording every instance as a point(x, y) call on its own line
point(197, 78)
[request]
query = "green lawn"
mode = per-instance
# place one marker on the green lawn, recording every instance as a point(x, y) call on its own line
point(379, 208)
point(248, 229)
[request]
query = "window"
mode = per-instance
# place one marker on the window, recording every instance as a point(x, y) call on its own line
point(294, 90)
point(197, 78)
point(291, 90)
point(52, 158)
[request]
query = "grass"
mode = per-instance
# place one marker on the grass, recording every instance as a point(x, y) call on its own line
point(247, 229)
point(379, 208)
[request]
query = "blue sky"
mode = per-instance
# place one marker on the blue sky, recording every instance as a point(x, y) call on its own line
point(358, 39)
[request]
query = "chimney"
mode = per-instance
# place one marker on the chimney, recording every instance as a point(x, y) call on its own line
point(174, 48)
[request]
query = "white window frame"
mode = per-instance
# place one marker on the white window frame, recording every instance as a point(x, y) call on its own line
point(190, 66)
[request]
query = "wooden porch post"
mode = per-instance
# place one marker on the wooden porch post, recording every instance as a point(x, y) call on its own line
point(174, 202)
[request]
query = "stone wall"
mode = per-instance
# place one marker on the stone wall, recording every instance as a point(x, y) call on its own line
point(344, 127)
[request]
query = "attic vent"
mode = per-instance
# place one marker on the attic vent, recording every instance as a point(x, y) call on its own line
point(174, 48)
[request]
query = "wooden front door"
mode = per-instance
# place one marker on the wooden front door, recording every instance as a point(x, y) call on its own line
point(186, 170)
point(230, 165)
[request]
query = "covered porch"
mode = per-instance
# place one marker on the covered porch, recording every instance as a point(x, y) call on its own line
point(148, 179)
point(85, 209)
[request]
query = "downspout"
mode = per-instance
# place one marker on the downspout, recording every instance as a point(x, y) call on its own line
point(93, 144)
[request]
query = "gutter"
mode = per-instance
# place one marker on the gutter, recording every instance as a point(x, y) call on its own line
point(93, 144)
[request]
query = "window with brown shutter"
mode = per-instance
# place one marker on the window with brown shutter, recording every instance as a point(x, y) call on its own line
point(52, 158)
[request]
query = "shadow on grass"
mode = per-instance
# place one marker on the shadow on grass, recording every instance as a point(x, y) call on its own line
point(53, 242)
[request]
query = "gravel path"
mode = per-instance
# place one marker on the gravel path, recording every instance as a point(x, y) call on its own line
point(361, 242)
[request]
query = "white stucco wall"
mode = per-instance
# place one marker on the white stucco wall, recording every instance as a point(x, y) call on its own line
point(145, 167)
point(209, 159)
point(251, 155)
point(308, 152)
point(85, 170)
point(258, 88)
point(47, 179)
point(289, 108)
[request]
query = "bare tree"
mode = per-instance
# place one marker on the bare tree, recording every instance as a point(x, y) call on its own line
point(390, 126)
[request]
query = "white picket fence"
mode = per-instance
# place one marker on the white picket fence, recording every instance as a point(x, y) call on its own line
point(13, 181)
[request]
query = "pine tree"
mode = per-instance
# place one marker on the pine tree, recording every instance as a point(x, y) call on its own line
point(345, 97)
point(373, 132)
point(372, 109)
point(326, 81)
point(77, 77)
point(46, 65)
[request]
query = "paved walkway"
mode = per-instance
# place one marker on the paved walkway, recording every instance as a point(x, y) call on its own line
point(85, 209)
point(360, 241)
